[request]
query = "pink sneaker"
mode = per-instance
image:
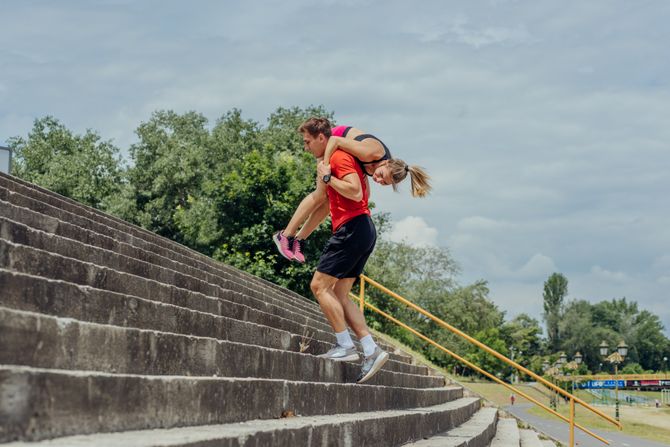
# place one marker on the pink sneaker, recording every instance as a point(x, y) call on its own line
point(283, 244)
point(297, 250)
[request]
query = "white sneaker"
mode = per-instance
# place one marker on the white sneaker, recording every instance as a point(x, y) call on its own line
point(341, 354)
point(372, 364)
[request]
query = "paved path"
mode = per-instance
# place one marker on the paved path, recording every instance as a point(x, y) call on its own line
point(561, 431)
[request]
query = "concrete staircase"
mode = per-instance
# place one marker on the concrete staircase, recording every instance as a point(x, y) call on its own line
point(111, 335)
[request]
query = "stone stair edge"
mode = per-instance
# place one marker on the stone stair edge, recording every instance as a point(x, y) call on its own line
point(182, 436)
point(55, 332)
point(170, 243)
point(141, 287)
point(45, 400)
point(475, 432)
point(72, 301)
point(25, 230)
point(139, 270)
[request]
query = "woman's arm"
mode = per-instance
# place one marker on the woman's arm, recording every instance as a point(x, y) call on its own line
point(366, 150)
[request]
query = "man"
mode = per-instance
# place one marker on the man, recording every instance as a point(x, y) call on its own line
point(346, 252)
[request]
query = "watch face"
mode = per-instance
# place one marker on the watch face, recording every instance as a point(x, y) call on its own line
point(326, 178)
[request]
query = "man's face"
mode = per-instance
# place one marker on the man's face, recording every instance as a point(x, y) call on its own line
point(315, 145)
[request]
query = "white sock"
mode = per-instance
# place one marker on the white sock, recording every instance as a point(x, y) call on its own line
point(344, 339)
point(369, 345)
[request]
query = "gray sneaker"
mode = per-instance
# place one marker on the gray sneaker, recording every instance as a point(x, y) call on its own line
point(341, 354)
point(372, 364)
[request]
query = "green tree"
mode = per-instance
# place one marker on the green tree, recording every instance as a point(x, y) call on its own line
point(584, 326)
point(169, 163)
point(523, 333)
point(555, 290)
point(82, 167)
point(579, 332)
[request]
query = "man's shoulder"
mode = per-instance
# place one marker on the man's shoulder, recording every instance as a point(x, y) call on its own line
point(340, 156)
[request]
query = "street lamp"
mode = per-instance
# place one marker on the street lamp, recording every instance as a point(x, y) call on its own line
point(615, 358)
point(5, 159)
point(604, 348)
point(572, 366)
point(665, 364)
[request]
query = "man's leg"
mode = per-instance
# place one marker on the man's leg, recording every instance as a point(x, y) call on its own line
point(375, 357)
point(352, 314)
point(322, 286)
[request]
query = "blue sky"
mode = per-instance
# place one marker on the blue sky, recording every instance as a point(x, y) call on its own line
point(544, 124)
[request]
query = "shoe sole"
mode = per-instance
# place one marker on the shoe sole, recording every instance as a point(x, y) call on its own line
point(278, 244)
point(376, 366)
point(347, 358)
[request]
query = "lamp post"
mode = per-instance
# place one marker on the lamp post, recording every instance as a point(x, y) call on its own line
point(514, 378)
point(615, 358)
point(550, 371)
point(577, 360)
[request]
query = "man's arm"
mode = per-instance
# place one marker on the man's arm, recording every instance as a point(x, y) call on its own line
point(349, 185)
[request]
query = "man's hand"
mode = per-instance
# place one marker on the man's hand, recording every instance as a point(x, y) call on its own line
point(322, 169)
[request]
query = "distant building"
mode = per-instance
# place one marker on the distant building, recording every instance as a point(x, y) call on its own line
point(5, 159)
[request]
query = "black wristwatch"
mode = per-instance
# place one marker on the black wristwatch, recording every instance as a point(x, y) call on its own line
point(326, 178)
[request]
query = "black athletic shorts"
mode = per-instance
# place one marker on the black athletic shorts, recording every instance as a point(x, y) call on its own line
point(349, 248)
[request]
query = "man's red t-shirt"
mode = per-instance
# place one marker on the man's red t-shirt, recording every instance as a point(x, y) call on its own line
point(342, 209)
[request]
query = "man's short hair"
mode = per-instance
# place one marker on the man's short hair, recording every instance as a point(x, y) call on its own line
point(314, 126)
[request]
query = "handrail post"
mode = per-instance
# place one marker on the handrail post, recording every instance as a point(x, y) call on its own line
point(572, 421)
point(362, 294)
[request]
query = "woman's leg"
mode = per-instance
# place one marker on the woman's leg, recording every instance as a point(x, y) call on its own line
point(307, 206)
point(288, 246)
point(313, 221)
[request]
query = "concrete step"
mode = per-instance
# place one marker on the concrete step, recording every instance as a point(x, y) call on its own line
point(529, 438)
point(41, 341)
point(475, 432)
point(48, 203)
point(31, 261)
point(24, 226)
point(370, 429)
point(548, 443)
point(507, 433)
point(71, 301)
point(172, 275)
point(44, 403)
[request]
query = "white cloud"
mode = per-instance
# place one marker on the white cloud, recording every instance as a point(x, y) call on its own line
point(414, 231)
point(606, 275)
point(537, 267)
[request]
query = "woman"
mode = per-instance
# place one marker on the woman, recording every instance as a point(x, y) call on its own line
point(375, 160)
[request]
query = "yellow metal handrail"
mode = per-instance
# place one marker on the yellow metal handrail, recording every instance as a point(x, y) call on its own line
point(573, 399)
point(571, 378)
